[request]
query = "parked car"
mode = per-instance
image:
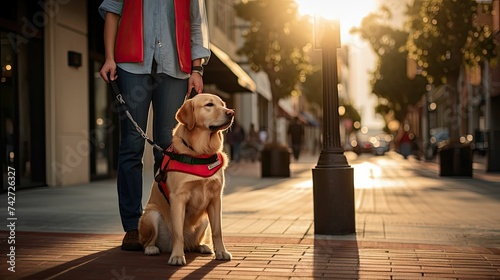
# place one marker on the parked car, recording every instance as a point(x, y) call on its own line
point(381, 144)
point(363, 147)
point(373, 141)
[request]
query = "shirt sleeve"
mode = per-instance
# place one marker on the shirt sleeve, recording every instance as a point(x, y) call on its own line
point(112, 6)
point(200, 40)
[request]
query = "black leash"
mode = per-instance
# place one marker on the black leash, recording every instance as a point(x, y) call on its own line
point(161, 177)
point(120, 99)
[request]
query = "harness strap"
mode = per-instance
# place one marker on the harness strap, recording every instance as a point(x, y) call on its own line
point(201, 166)
point(162, 185)
point(191, 160)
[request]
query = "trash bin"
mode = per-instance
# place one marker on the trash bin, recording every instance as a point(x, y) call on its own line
point(455, 160)
point(275, 162)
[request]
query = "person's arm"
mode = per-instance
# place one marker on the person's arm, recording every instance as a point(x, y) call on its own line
point(196, 78)
point(200, 39)
point(110, 29)
point(199, 43)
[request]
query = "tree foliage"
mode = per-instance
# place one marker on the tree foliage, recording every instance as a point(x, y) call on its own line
point(390, 82)
point(446, 36)
point(313, 91)
point(277, 42)
point(312, 88)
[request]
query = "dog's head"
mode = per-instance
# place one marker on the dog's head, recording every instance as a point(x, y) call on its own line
point(205, 111)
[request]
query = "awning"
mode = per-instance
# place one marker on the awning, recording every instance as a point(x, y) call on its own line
point(285, 110)
point(263, 84)
point(226, 74)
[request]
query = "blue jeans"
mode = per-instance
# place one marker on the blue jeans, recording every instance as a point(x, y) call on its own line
point(166, 94)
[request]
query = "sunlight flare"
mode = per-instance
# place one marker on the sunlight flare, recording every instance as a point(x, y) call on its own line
point(350, 13)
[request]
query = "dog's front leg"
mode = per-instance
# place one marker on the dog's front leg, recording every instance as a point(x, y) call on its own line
point(177, 216)
point(215, 217)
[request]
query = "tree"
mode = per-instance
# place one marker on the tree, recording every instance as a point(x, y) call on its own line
point(446, 36)
point(390, 82)
point(276, 42)
point(313, 91)
point(312, 88)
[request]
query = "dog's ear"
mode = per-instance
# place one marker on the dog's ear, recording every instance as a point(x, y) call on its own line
point(185, 114)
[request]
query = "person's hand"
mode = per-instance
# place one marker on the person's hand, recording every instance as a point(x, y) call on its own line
point(195, 82)
point(109, 66)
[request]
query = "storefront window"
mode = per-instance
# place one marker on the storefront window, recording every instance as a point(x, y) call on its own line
point(7, 112)
point(22, 114)
point(103, 120)
point(101, 125)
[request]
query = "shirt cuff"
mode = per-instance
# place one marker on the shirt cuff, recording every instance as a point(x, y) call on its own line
point(200, 52)
point(111, 6)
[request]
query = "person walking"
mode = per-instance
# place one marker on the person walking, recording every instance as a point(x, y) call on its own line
point(155, 51)
point(296, 134)
point(254, 138)
point(404, 141)
point(235, 138)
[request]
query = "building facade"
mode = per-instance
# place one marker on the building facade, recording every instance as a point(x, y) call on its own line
point(58, 120)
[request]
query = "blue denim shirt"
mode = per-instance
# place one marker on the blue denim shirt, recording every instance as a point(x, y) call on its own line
point(159, 36)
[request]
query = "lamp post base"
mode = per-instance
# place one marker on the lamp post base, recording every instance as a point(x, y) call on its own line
point(333, 195)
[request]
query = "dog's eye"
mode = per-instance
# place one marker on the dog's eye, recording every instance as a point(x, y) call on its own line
point(210, 104)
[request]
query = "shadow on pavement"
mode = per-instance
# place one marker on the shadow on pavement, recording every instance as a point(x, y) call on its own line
point(94, 256)
point(334, 259)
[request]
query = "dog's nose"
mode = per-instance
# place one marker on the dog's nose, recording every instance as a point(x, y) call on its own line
point(230, 113)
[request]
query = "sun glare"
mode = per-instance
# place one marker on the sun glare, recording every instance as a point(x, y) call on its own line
point(350, 13)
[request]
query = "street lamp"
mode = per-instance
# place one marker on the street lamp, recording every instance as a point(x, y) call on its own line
point(333, 177)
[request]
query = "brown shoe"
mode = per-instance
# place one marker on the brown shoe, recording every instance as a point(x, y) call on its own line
point(131, 241)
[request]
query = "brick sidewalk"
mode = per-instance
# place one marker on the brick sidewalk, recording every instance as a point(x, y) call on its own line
point(97, 256)
point(400, 206)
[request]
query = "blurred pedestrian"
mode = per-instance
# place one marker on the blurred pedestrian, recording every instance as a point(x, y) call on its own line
point(263, 135)
point(404, 141)
point(296, 135)
point(235, 138)
point(253, 137)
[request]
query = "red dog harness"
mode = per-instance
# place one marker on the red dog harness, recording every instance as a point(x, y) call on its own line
point(203, 166)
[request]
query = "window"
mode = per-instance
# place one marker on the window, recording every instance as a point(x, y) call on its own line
point(224, 18)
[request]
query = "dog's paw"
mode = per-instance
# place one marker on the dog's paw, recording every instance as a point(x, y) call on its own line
point(177, 260)
point(205, 249)
point(224, 255)
point(151, 250)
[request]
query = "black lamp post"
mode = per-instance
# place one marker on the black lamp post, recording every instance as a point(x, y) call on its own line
point(333, 177)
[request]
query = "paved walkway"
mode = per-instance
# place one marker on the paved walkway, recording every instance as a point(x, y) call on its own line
point(410, 223)
point(94, 256)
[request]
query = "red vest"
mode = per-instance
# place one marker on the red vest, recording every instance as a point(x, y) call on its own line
point(129, 38)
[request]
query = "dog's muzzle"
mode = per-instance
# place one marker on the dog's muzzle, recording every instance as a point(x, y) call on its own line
point(229, 118)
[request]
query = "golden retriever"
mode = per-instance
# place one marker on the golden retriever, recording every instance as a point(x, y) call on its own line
point(181, 223)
